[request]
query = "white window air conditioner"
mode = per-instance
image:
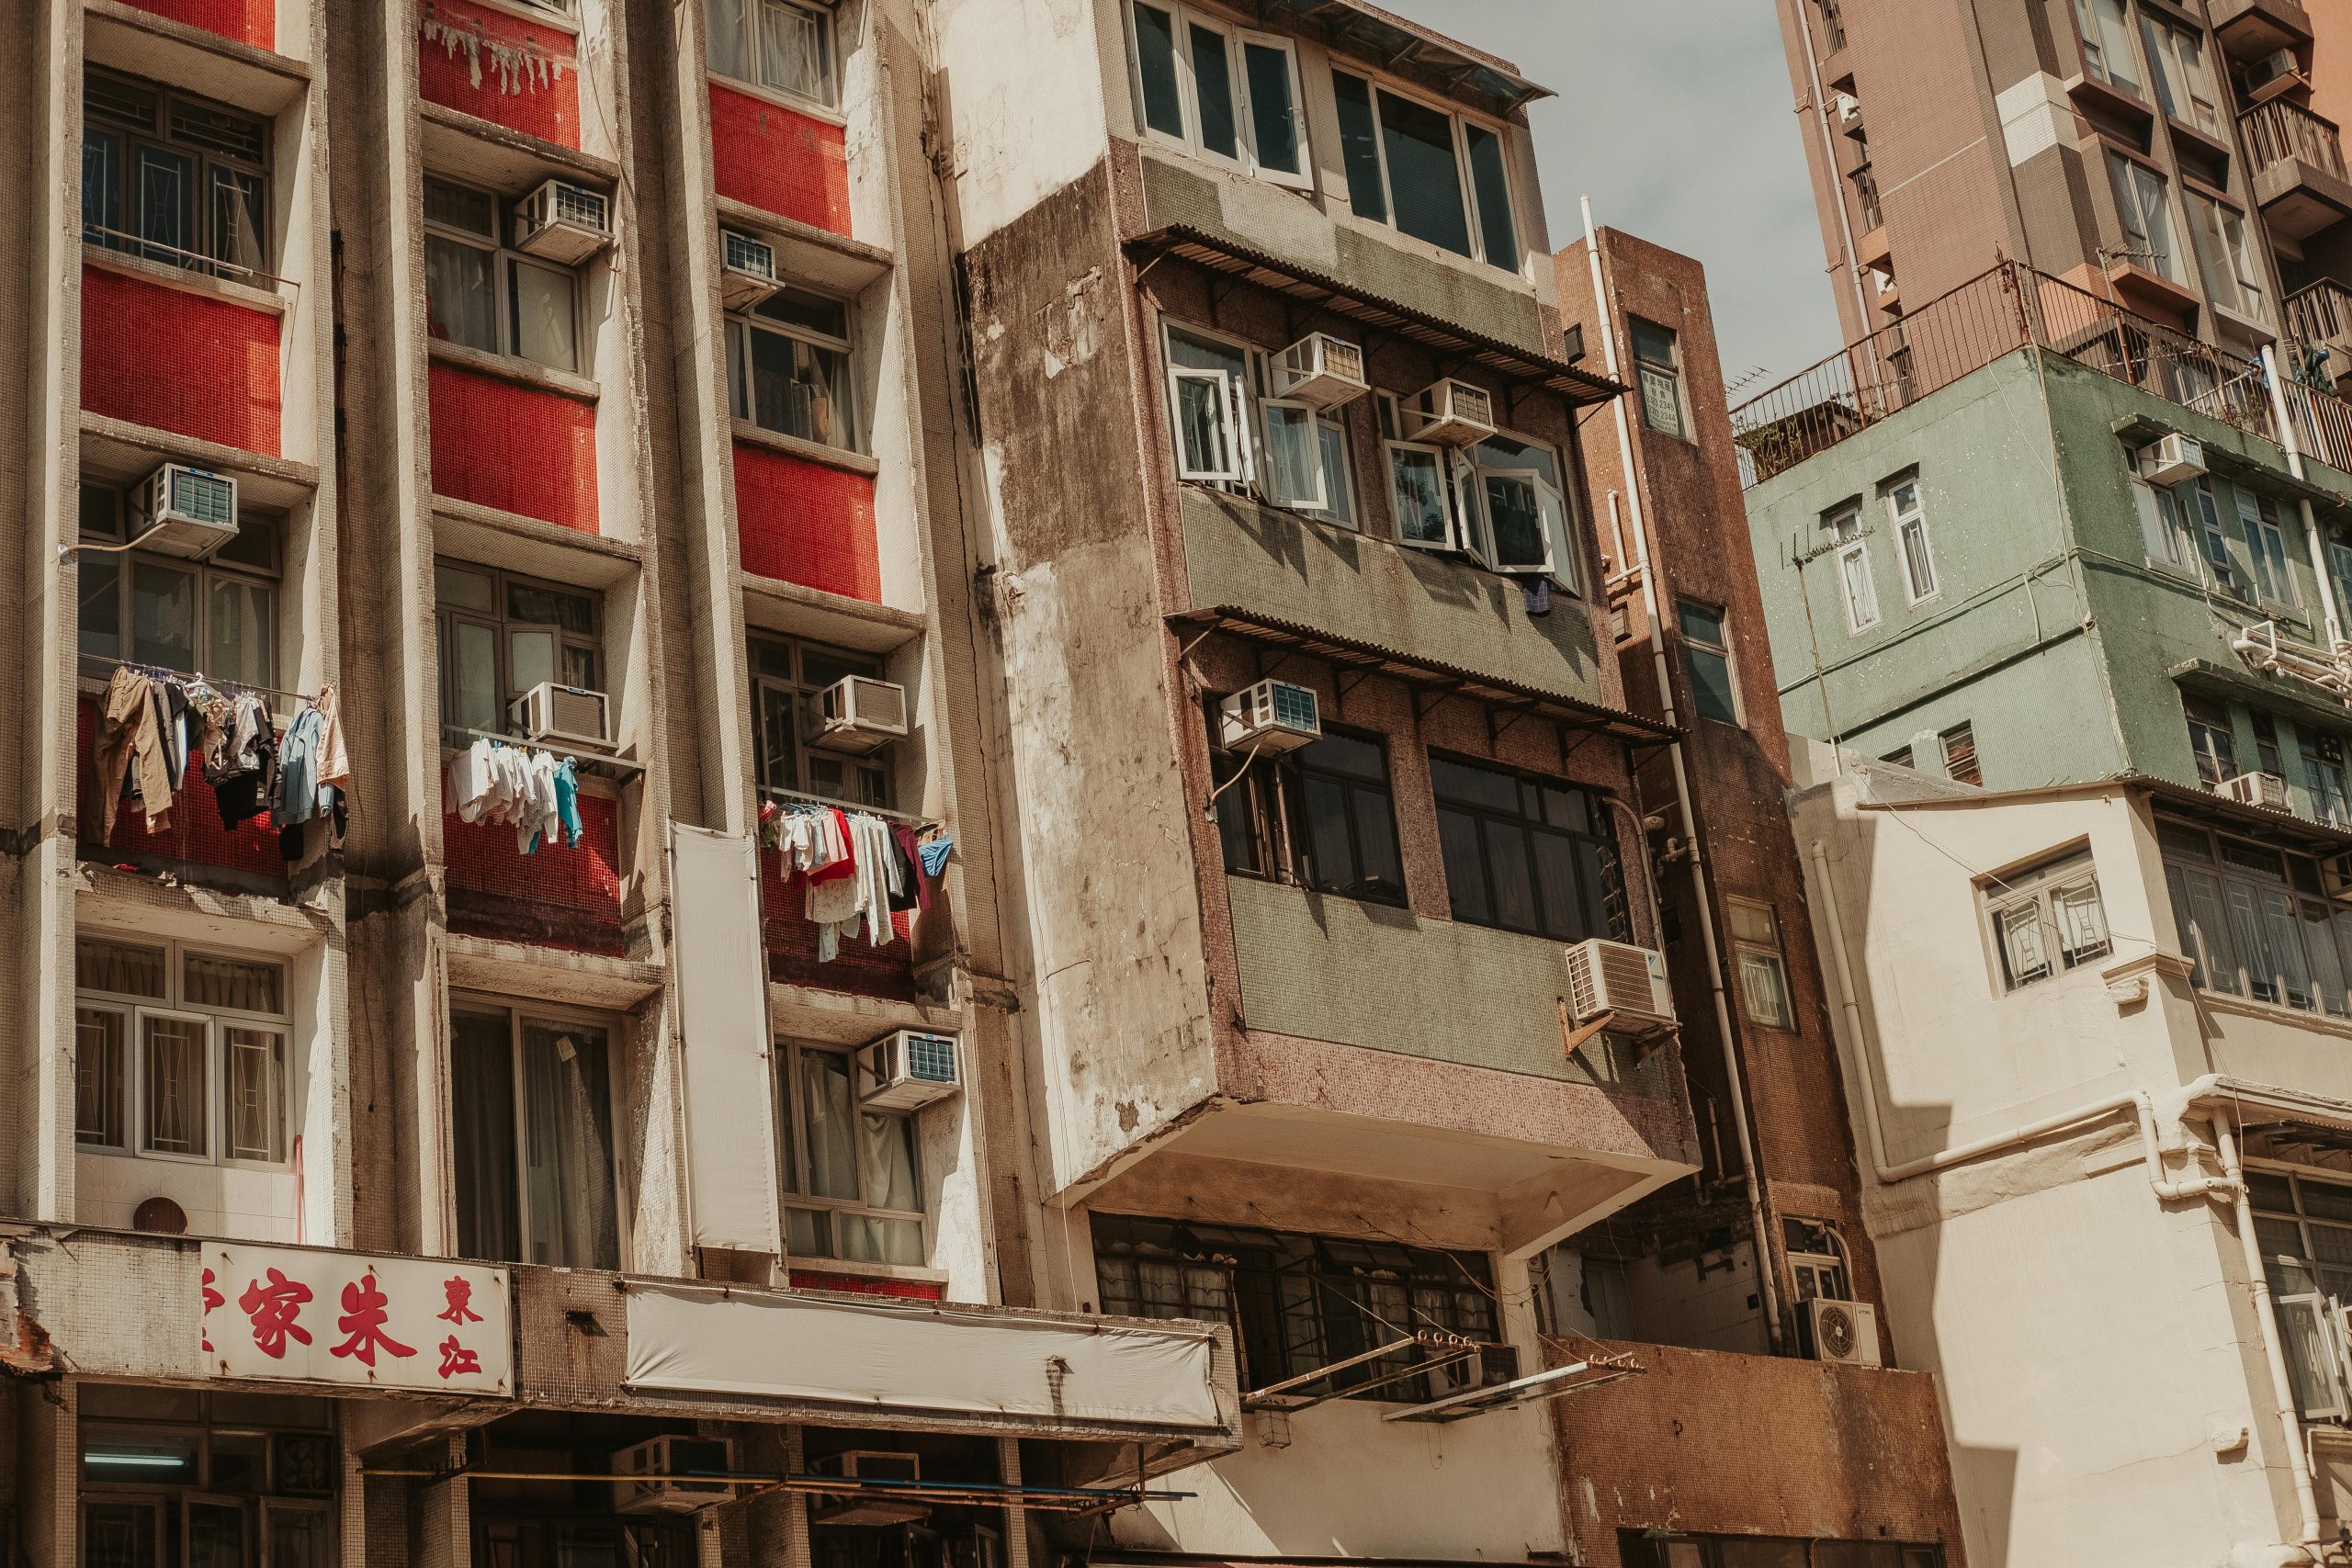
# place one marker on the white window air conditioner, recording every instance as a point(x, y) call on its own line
point(1451, 414)
point(549, 712)
point(1270, 717)
point(1845, 1332)
point(858, 716)
point(1619, 978)
point(855, 1505)
point(2257, 789)
point(673, 1474)
point(907, 1070)
point(1849, 109)
point(748, 273)
point(181, 510)
point(1321, 369)
point(2171, 460)
point(563, 222)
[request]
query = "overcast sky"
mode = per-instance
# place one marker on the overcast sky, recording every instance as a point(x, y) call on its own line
point(1675, 116)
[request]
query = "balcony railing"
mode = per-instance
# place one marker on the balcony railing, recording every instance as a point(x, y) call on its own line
point(2282, 130)
point(2319, 313)
point(1865, 196)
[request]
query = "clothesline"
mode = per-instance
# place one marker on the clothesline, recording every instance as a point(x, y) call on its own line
point(601, 759)
point(781, 795)
point(165, 673)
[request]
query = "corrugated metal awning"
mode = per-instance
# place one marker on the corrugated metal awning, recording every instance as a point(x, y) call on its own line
point(1390, 42)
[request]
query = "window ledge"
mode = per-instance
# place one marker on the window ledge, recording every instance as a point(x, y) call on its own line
point(554, 21)
point(181, 278)
point(2273, 1013)
point(813, 451)
point(779, 97)
point(2254, 327)
point(525, 372)
point(864, 1271)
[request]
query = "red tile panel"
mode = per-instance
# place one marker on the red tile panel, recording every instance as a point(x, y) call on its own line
point(807, 523)
point(174, 360)
point(567, 896)
point(858, 1285)
point(247, 21)
point(779, 161)
point(498, 67)
point(523, 449)
point(860, 969)
point(191, 833)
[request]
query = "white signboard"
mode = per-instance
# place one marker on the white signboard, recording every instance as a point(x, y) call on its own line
point(341, 1317)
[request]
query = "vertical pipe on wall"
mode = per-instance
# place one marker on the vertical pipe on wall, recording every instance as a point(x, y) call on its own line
point(1767, 1287)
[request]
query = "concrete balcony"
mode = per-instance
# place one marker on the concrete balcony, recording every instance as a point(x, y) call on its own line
point(2248, 30)
point(2319, 316)
point(2300, 178)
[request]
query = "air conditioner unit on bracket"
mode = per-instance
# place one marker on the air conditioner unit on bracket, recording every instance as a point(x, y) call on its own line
point(1321, 369)
point(748, 270)
point(665, 1475)
point(2171, 460)
point(563, 222)
point(907, 1070)
point(1621, 980)
point(858, 716)
point(851, 1507)
point(551, 711)
point(1451, 414)
point(1843, 1331)
point(2257, 789)
point(183, 510)
point(1272, 717)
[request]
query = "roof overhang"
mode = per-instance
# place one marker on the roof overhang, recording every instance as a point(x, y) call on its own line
point(1514, 365)
point(1409, 49)
point(1427, 677)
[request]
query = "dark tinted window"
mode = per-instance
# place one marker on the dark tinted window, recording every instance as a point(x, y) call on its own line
point(1527, 855)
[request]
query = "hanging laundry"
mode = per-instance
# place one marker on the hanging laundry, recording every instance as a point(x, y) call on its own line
point(531, 791)
point(334, 759)
point(839, 906)
point(243, 792)
point(914, 892)
point(934, 852)
point(129, 733)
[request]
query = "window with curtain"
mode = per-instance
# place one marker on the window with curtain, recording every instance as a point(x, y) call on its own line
point(180, 1053)
point(2184, 80)
point(2225, 253)
point(1907, 515)
point(1763, 970)
point(216, 617)
point(531, 1126)
point(1321, 817)
point(788, 369)
point(2323, 757)
point(852, 1179)
point(2302, 1221)
point(2254, 923)
point(1850, 553)
point(480, 294)
point(501, 634)
point(2107, 44)
point(1527, 853)
point(2046, 920)
point(2144, 203)
point(777, 44)
point(175, 179)
point(2213, 739)
point(2265, 544)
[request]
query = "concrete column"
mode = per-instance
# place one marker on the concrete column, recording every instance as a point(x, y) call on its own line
point(48, 1463)
point(351, 1497)
point(1016, 1518)
point(445, 1519)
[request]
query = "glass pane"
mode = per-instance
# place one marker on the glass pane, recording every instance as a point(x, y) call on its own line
point(1380, 874)
point(244, 616)
point(887, 1144)
point(101, 606)
point(728, 37)
point(175, 1116)
point(2287, 941)
point(530, 660)
point(216, 1535)
point(1419, 483)
point(1474, 785)
point(800, 388)
point(458, 206)
point(1360, 146)
point(798, 308)
point(551, 607)
point(1213, 87)
point(481, 1115)
point(1331, 442)
point(239, 221)
point(1273, 124)
point(1711, 690)
point(830, 1111)
point(297, 1538)
point(102, 188)
point(459, 305)
point(869, 1239)
point(99, 1083)
point(1765, 988)
point(1164, 108)
point(1201, 406)
point(163, 615)
point(1516, 517)
point(165, 190)
point(2309, 1362)
point(121, 1535)
point(1557, 894)
point(118, 968)
point(568, 1147)
point(239, 984)
point(545, 316)
point(1333, 863)
point(1492, 187)
point(1294, 456)
point(1507, 863)
point(1465, 876)
point(460, 588)
point(1661, 399)
point(792, 52)
point(253, 1093)
point(477, 669)
point(779, 726)
point(1423, 173)
point(807, 1232)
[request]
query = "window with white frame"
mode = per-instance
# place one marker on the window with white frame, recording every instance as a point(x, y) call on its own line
point(2254, 922)
point(218, 616)
point(480, 293)
point(1219, 91)
point(180, 1053)
point(531, 1129)
point(853, 1181)
point(2226, 256)
point(1961, 763)
point(1501, 503)
point(1907, 517)
point(1850, 551)
point(1756, 958)
point(2302, 1221)
point(788, 363)
point(2266, 545)
point(782, 45)
point(1657, 360)
point(2046, 920)
point(1229, 432)
point(2163, 530)
point(1428, 173)
point(1706, 655)
point(2184, 76)
point(2107, 44)
point(2144, 203)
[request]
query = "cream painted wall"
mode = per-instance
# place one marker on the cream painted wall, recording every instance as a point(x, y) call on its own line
point(1023, 86)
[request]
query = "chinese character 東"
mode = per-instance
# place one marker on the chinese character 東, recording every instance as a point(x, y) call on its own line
point(460, 1293)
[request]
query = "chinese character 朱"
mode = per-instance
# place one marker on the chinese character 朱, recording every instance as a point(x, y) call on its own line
point(364, 1312)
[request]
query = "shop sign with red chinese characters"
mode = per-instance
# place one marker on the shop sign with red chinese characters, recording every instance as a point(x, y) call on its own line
point(340, 1317)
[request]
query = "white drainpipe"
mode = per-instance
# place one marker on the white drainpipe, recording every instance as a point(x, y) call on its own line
point(1767, 1284)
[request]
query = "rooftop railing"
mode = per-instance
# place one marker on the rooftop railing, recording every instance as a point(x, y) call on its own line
point(1993, 314)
